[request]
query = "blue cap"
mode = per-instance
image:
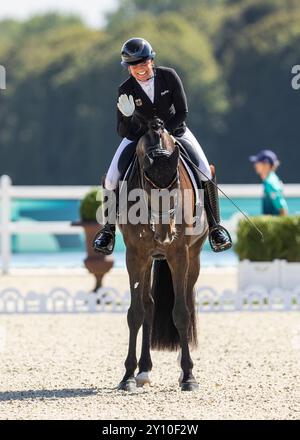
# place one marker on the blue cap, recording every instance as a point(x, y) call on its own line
point(266, 156)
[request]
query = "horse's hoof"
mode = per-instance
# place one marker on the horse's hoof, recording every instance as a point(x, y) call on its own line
point(142, 379)
point(127, 385)
point(189, 386)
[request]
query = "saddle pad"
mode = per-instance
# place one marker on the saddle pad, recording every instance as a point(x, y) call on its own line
point(193, 180)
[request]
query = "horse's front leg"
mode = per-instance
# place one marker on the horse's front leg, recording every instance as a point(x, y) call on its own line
point(182, 317)
point(135, 316)
point(145, 363)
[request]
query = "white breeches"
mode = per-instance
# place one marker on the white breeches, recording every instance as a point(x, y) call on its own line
point(113, 175)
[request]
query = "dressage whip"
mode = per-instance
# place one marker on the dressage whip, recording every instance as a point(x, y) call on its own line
point(236, 206)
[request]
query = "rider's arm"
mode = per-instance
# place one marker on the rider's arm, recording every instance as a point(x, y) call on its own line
point(179, 101)
point(123, 124)
point(283, 211)
point(127, 126)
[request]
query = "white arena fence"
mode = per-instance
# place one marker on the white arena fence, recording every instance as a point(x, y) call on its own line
point(110, 300)
point(9, 192)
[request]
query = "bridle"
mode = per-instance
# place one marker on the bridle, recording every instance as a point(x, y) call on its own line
point(158, 187)
point(154, 216)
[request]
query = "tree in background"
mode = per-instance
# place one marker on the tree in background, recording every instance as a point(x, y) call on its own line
point(57, 115)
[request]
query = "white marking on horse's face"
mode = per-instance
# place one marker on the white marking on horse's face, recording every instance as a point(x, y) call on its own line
point(136, 285)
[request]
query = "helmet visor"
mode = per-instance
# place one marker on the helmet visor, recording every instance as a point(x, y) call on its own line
point(126, 61)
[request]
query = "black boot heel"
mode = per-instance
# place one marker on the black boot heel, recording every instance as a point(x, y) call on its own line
point(219, 237)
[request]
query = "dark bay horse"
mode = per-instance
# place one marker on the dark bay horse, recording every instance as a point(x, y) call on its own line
point(162, 261)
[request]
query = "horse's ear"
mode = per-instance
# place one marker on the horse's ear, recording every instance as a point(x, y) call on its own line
point(148, 161)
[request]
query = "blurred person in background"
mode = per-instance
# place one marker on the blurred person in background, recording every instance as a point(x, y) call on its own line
point(265, 165)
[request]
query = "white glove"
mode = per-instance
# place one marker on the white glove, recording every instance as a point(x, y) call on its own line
point(126, 105)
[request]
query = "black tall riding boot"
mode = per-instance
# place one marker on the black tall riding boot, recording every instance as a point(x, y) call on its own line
point(219, 237)
point(104, 241)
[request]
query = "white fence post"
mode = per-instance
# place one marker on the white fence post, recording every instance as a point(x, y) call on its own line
point(5, 185)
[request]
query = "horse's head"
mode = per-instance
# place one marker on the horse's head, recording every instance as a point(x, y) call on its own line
point(159, 158)
point(160, 167)
point(160, 155)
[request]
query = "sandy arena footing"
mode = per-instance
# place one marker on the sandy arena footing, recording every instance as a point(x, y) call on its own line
point(67, 367)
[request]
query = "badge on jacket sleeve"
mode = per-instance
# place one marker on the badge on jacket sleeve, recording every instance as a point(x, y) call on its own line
point(138, 102)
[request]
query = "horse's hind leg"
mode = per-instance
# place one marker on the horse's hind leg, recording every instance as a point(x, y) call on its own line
point(145, 363)
point(135, 316)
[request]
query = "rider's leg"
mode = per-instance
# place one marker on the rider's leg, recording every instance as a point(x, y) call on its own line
point(104, 240)
point(219, 238)
point(113, 173)
point(196, 153)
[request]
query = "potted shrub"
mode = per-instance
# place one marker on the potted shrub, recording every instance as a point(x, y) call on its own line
point(97, 264)
point(274, 262)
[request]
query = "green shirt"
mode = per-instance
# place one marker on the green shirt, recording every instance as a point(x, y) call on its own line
point(273, 199)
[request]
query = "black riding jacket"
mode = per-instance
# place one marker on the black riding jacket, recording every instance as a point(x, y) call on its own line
point(169, 104)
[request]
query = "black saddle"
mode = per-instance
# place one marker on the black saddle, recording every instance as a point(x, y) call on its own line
point(187, 148)
point(126, 158)
point(188, 153)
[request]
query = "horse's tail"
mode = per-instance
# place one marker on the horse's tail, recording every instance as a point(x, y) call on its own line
point(164, 333)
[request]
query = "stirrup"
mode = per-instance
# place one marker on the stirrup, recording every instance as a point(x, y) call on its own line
point(222, 247)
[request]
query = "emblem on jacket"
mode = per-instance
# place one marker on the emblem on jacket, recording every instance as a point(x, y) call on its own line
point(139, 102)
point(164, 92)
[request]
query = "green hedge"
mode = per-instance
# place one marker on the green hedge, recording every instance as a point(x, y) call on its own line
point(281, 239)
point(89, 205)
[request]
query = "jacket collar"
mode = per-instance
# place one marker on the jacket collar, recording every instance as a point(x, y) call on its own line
point(139, 90)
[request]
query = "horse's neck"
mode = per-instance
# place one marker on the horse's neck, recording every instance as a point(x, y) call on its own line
point(187, 194)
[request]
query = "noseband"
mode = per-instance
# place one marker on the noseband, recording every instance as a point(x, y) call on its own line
point(158, 187)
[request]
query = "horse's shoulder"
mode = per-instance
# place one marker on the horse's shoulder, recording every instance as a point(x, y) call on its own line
point(184, 175)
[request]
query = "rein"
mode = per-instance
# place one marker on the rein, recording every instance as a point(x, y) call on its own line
point(228, 198)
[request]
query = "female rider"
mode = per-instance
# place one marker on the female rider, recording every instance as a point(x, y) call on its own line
point(151, 92)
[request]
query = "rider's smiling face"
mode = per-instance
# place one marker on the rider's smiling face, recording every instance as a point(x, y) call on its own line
point(142, 71)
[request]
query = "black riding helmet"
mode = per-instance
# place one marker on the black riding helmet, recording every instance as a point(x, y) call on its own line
point(135, 51)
